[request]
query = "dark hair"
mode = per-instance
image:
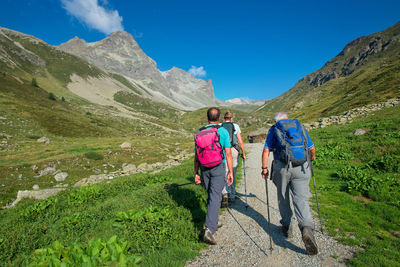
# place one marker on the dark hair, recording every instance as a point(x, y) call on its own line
point(213, 114)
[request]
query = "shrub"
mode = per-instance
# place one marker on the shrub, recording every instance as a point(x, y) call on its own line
point(83, 195)
point(96, 252)
point(33, 211)
point(62, 99)
point(386, 163)
point(357, 178)
point(34, 82)
point(154, 227)
point(52, 97)
point(94, 155)
point(34, 137)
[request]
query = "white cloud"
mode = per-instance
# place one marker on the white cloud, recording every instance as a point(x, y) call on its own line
point(197, 72)
point(94, 15)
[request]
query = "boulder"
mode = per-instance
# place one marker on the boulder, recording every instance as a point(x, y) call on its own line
point(43, 140)
point(35, 187)
point(143, 166)
point(47, 171)
point(60, 177)
point(126, 145)
point(36, 194)
point(128, 168)
point(360, 131)
point(258, 136)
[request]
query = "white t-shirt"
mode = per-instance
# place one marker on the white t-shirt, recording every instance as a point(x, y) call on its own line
point(237, 129)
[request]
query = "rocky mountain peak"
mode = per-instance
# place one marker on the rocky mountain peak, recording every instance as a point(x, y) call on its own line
point(119, 40)
point(120, 53)
point(120, 35)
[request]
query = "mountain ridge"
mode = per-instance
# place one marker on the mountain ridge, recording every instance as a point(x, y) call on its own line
point(119, 53)
point(364, 72)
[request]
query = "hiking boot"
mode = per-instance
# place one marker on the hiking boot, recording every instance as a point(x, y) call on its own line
point(287, 231)
point(219, 225)
point(209, 238)
point(309, 240)
point(224, 203)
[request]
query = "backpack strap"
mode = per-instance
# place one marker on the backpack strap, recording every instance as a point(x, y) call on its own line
point(282, 141)
point(217, 126)
point(305, 140)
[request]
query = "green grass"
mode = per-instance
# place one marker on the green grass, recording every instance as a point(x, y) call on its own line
point(162, 227)
point(359, 186)
point(125, 82)
point(160, 111)
point(68, 155)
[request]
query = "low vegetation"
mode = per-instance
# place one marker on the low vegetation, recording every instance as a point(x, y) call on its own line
point(129, 221)
point(359, 186)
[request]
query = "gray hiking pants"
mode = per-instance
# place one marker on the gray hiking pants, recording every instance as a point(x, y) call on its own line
point(295, 179)
point(214, 181)
point(231, 190)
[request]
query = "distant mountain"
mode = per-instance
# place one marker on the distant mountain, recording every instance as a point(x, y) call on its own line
point(119, 53)
point(242, 101)
point(365, 71)
point(66, 95)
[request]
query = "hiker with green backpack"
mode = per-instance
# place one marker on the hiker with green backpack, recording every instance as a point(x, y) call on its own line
point(235, 137)
point(213, 149)
point(293, 151)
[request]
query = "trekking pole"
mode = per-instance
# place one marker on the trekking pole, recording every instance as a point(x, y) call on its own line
point(269, 218)
point(316, 196)
point(245, 187)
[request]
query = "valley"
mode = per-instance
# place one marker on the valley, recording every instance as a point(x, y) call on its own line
point(100, 124)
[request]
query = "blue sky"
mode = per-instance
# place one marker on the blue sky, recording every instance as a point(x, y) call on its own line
point(255, 49)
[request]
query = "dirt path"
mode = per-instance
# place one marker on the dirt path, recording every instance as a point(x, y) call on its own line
point(243, 240)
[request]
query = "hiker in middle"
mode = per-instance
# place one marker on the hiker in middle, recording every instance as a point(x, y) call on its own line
point(213, 148)
point(235, 136)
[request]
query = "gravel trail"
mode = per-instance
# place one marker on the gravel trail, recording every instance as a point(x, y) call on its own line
point(243, 240)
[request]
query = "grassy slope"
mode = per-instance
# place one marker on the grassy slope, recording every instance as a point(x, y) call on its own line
point(374, 81)
point(166, 234)
point(359, 183)
point(74, 126)
point(30, 114)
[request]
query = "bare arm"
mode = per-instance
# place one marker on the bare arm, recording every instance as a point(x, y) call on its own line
point(241, 144)
point(264, 163)
point(312, 153)
point(197, 179)
point(229, 161)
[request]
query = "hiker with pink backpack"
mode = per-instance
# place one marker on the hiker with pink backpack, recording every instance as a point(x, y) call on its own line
point(213, 148)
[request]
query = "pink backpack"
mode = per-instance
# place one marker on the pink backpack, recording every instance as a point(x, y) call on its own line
point(208, 148)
